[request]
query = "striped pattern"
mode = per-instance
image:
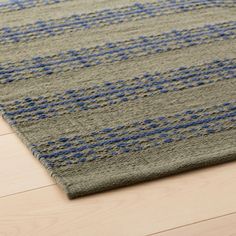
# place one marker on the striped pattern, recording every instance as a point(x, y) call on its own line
point(112, 141)
point(35, 108)
point(110, 114)
point(115, 52)
point(101, 18)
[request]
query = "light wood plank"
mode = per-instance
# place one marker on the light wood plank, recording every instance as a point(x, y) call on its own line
point(19, 170)
point(4, 127)
point(137, 210)
point(225, 226)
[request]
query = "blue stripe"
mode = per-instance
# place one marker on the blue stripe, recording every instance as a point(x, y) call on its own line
point(120, 51)
point(190, 77)
point(152, 135)
point(121, 91)
point(133, 12)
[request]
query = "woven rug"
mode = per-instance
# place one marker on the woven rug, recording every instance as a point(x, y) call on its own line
point(112, 93)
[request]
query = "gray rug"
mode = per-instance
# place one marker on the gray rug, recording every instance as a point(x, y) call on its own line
point(112, 93)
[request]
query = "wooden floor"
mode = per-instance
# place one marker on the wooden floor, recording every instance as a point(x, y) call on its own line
point(201, 202)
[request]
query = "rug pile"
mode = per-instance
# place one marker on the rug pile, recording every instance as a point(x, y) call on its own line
point(112, 93)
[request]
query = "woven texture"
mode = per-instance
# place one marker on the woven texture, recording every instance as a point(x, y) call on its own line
point(111, 93)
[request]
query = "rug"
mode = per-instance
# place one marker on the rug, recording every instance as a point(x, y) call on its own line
point(113, 93)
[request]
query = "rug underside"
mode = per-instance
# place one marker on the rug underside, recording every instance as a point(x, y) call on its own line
point(112, 93)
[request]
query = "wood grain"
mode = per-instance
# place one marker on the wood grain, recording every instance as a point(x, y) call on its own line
point(19, 170)
point(222, 226)
point(136, 210)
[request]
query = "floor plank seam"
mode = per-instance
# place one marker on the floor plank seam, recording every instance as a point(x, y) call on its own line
point(193, 223)
point(9, 195)
point(6, 134)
